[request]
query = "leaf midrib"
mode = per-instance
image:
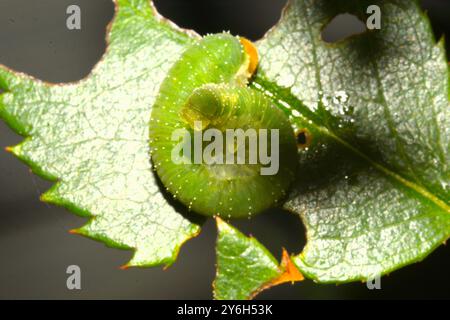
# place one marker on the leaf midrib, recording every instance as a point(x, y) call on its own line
point(281, 99)
point(305, 111)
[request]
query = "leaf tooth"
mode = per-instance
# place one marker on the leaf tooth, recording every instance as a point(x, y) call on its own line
point(125, 266)
point(74, 231)
point(16, 150)
point(51, 195)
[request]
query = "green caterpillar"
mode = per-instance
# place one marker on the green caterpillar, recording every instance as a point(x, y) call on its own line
point(204, 104)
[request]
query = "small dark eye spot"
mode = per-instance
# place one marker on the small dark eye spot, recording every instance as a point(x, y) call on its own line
point(304, 138)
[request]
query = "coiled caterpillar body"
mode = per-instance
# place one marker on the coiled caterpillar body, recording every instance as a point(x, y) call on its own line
point(206, 92)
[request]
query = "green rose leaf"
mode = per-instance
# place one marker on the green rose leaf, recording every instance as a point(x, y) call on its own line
point(92, 137)
point(245, 267)
point(373, 187)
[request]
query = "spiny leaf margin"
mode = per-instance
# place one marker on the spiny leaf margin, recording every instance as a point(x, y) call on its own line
point(141, 219)
point(330, 203)
point(245, 267)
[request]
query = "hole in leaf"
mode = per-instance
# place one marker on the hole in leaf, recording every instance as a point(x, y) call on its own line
point(304, 138)
point(438, 11)
point(342, 27)
point(250, 18)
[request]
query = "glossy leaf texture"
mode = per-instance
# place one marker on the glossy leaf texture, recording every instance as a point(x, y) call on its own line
point(373, 188)
point(92, 137)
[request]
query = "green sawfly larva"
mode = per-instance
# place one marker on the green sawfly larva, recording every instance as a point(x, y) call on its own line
point(206, 93)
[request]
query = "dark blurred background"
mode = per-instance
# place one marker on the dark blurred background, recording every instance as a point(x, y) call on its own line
point(35, 246)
